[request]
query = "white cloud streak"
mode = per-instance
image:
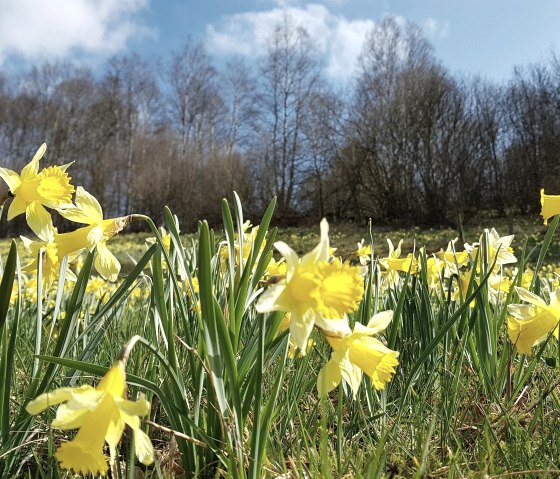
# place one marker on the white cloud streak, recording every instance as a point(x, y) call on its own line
point(55, 29)
point(435, 28)
point(338, 39)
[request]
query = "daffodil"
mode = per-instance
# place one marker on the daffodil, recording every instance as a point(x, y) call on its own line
point(249, 236)
point(33, 190)
point(529, 324)
point(355, 352)
point(498, 248)
point(315, 291)
point(453, 259)
point(393, 261)
point(51, 257)
point(363, 253)
point(88, 211)
point(550, 206)
point(275, 268)
point(101, 414)
point(434, 271)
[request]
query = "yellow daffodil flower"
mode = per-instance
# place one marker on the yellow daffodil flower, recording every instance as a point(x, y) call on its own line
point(498, 247)
point(393, 261)
point(363, 253)
point(550, 206)
point(51, 257)
point(101, 414)
point(355, 352)
point(314, 290)
point(453, 259)
point(276, 268)
point(249, 236)
point(434, 270)
point(88, 211)
point(529, 324)
point(33, 191)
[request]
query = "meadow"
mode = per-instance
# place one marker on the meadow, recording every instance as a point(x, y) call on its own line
point(257, 352)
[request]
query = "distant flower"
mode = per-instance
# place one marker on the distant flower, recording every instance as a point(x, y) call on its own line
point(531, 323)
point(394, 262)
point(498, 248)
point(550, 206)
point(101, 414)
point(33, 191)
point(363, 253)
point(453, 259)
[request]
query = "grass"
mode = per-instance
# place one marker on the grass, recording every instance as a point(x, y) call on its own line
point(228, 400)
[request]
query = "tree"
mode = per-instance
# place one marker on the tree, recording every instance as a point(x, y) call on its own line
point(289, 76)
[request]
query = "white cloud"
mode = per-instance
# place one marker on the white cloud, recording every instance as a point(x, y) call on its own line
point(340, 40)
point(435, 28)
point(47, 29)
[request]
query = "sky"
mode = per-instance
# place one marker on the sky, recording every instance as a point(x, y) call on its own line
point(470, 37)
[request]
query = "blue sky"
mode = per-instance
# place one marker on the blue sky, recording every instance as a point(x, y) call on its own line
point(486, 37)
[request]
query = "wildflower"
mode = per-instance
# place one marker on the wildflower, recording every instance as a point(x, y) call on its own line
point(356, 352)
point(249, 237)
point(314, 290)
point(101, 414)
point(292, 349)
point(453, 259)
point(498, 248)
point(550, 206)
point(33, 191)
point(434, 270)
point(88, 211)
point(529, 324)
point(393, 262)
point(363, 253)
point(276, 268)
point(51, 258)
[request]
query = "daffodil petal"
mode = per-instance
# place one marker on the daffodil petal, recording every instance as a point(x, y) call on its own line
point(113, 435)
point(329, 377)
point(532, 298)
point(143, 447)
point(40, 221)
point(32, 168)
point(89, 205)
point(380, 321)
point(336, 326)
point(141, 407)
point(67, 418)
point(290, 256)
point(17, 207)
point(268, 301)
point(106, 264)
point(351, 374)
point(300, 329)
point(42, 402)
point(11, 178)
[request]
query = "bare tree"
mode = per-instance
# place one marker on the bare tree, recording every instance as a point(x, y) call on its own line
point(289, 75)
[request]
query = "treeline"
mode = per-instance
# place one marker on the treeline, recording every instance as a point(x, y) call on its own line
point(405, 140)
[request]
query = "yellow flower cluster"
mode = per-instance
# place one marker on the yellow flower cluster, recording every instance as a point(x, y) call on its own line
point(33, 190)
point(319, 291)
